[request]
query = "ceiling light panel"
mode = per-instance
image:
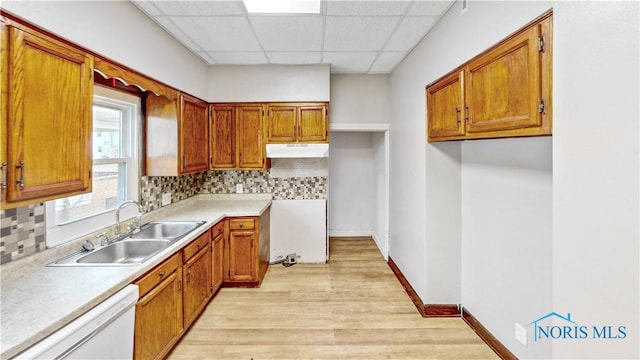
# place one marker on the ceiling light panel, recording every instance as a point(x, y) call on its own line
point(358, 33)
point(288, 33)
point(410, 31)
point(367, 7)
point(429, 8)
point(294, 58)
point(282, 6)
point(222, 33)
point(200, 8)
point(387, 61)
point(343, 62)
point(239, 58)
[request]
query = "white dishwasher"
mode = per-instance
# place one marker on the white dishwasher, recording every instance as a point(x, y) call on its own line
point(104, 332)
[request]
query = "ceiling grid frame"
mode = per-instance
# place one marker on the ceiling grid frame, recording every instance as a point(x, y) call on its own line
point(349, 52)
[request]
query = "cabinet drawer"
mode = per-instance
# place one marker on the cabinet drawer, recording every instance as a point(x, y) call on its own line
point(217, 229)
point(159, 273)
point(201, 242)
point(241, 224)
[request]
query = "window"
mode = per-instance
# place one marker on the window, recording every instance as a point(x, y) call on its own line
point(115, 174)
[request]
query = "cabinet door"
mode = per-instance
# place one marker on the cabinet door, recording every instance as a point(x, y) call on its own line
point(223, 137)
point(313, 124)
point(49, 117)
point(445, 107)
point(194, 135)
point(282, 124)
point(251, 150)
point(197, 284)
point(161, 132)
point(217, 266)
point(503, 86)
point(243, 258)
point(159, 319)
point(4, 93)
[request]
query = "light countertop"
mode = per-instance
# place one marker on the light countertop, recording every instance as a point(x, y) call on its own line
point(36, 300)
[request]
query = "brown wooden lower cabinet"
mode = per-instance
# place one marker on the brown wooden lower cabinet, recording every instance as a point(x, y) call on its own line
point(176, 292)
point(159, 313)
point(246, 250)
point(217, 257)
point(196, 274)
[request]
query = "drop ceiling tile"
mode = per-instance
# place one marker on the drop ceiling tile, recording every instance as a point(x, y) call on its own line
point(366, 7)
point(349, 62)
point(356, 34)
point(288, 33)
point(221, 33)
point(410, 31)
point(208, 59)
point(294, 58)
point(172, 29)
point(239, 58)
point(429, 8)
point(200, 8)
point(387, 61)
point(147, 7)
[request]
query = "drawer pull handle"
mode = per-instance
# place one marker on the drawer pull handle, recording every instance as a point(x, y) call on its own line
point(161, 273)
point(241, 225)
point(20, 180)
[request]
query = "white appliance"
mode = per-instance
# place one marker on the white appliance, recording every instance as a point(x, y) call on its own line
point(104, 332)
point(297, 150)
point(299, 226)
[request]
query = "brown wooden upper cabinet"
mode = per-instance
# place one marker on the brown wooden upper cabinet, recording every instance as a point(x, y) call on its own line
point(297, 122)
point(177, 135)
point(47, 97)
point(237, 138)
point(503, 92)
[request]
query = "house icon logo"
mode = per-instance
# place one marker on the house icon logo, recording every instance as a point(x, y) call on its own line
point(565, 328)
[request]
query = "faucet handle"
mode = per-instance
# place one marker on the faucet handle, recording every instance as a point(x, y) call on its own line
point(104, 239)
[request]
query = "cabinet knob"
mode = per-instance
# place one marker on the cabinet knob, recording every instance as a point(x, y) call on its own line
point(161, 273)
point(241, 225)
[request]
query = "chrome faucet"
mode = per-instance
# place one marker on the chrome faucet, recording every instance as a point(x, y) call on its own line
point(138, 218)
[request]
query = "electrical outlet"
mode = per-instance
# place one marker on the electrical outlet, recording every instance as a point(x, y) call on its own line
point(521, 334)
point(166, 199)
point(239, 188)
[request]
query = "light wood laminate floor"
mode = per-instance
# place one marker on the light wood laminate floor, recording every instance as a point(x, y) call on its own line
point(351, 308)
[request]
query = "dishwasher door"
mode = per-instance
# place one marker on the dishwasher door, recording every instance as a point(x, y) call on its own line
point(104, 332)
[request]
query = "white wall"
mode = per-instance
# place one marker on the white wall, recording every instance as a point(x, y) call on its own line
point(595, 173)
point(379, 189)
point(360, 99)
point(269, 83)
point(351, 184)
point(119, 31)
point(507, 236)
point(428, 203)
point(574, 245)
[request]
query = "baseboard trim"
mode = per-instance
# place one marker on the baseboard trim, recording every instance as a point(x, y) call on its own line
point(487, 337)
point(425, 310)
point(348, 233)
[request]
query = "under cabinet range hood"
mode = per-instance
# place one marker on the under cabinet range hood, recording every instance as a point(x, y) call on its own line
point(297, 150)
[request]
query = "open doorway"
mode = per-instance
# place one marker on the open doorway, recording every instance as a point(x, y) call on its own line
point(358, 202)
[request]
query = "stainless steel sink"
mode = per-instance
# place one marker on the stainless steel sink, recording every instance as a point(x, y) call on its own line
point(125, 252)
point(134, 248)
point(170, 230)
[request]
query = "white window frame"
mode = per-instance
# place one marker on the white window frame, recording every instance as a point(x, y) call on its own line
point(59, 234)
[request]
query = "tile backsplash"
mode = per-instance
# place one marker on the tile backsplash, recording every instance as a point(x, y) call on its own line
point(22, 232)
point(23, 228)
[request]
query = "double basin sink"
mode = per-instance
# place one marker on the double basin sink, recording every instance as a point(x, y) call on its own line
point(134, 248)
